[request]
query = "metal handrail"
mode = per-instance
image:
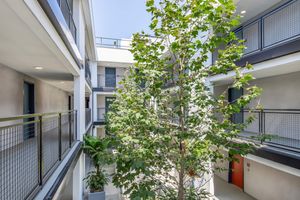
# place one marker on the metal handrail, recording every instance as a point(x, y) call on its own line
point(33, 115)
point(284, 136)
point(49, 136)
point(115, 42)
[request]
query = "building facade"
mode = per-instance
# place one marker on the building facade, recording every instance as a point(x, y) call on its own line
point(47, 50)
point(271, 32)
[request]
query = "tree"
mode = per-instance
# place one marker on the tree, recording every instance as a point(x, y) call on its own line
point(167, 138)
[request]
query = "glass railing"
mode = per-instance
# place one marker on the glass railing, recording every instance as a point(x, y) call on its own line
point(113, 43)
point(67, 11)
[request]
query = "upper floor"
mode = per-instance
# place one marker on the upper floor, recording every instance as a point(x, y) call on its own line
point(271, 33)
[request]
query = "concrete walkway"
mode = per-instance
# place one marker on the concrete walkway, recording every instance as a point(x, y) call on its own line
point(226, 191)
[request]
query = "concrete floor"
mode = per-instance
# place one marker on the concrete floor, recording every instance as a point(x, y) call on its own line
point(226, 191)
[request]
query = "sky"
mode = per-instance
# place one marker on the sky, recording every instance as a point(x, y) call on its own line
point(120, 18)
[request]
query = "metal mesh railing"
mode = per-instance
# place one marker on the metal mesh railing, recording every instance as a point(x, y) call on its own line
point(109, 82)
point(88, 116)
point(101, 114)
point(282, 126)
point(279, 26)
point(31, 146)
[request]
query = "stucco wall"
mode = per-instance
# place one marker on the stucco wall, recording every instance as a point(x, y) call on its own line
point(267, 183)
point(47, 97)
point(101, 132)
point(120, 72)
point(279, 92)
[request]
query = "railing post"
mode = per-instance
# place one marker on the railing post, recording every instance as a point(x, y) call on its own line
point(40, 152)
point(70, 129)
point(59, 136)
point(75, 129)
point(263, 122)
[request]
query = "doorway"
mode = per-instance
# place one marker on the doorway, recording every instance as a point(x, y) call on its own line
point(236, 172)
point(28, 108)
point(110, 77)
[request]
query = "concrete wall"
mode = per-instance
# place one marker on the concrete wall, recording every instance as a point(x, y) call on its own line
point(120, 72)
point(47, 97)
point(279, 92)
point(114, 55)
point(267, 180)
point(100, 132)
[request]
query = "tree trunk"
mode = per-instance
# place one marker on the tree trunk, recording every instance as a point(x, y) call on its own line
point(181, 176)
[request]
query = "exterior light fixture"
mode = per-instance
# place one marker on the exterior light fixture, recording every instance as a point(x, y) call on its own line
point(243, 12)
point(38, 68)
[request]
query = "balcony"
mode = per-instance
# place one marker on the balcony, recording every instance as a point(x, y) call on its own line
point(101, 112)
point(88, 73)
point(66, 7)
point(113, 43)
point(271, 35)
point(108, 83)
point(282, 125)
point(31, 148)
point(88, 117)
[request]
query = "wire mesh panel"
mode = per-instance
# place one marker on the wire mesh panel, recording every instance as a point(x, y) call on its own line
point(253, 127)
point(285, 126)
point(282, 24)
point(73, 127)
point(251, 37)
point(65, 132)
point(30, 148)
point(18, 160)
point(50, 143)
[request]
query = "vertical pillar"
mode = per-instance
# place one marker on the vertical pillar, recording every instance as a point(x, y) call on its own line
point(78, 176)
point(79, 103)
point(95, 106)
point(94, 73)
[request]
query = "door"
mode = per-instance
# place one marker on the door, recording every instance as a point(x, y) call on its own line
point(233, 95)
point(28, 108)
point(110, 77)
point(237, 172)
point(108, 102)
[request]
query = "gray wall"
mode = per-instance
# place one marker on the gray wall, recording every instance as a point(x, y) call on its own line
point(279, 92)
point(47, 98)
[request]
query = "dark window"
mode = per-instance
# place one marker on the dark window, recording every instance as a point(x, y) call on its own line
point(233, 95)
point(110, 77)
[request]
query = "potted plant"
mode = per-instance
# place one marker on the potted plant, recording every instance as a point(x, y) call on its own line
point(98, 150)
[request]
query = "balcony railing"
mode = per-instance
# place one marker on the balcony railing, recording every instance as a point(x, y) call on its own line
point(31, 147)
point(271, 35)
point(101, 114)
point(88, 73)
point(67, 11)
point(88, 117)
point(108, 82)
point(282, 125)
point(113, 43)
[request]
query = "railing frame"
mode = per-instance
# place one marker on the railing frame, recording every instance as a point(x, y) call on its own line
point(116, 43)
point(262, 122)
point(39, 118)
point(260, 21)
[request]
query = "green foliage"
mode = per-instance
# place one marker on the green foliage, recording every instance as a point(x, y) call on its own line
point(167, 139)
point(98, 149)
point(96, 180)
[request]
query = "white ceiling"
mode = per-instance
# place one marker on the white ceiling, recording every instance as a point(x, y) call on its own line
point(253, 7)
point(278, 66)
point(24, 44)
